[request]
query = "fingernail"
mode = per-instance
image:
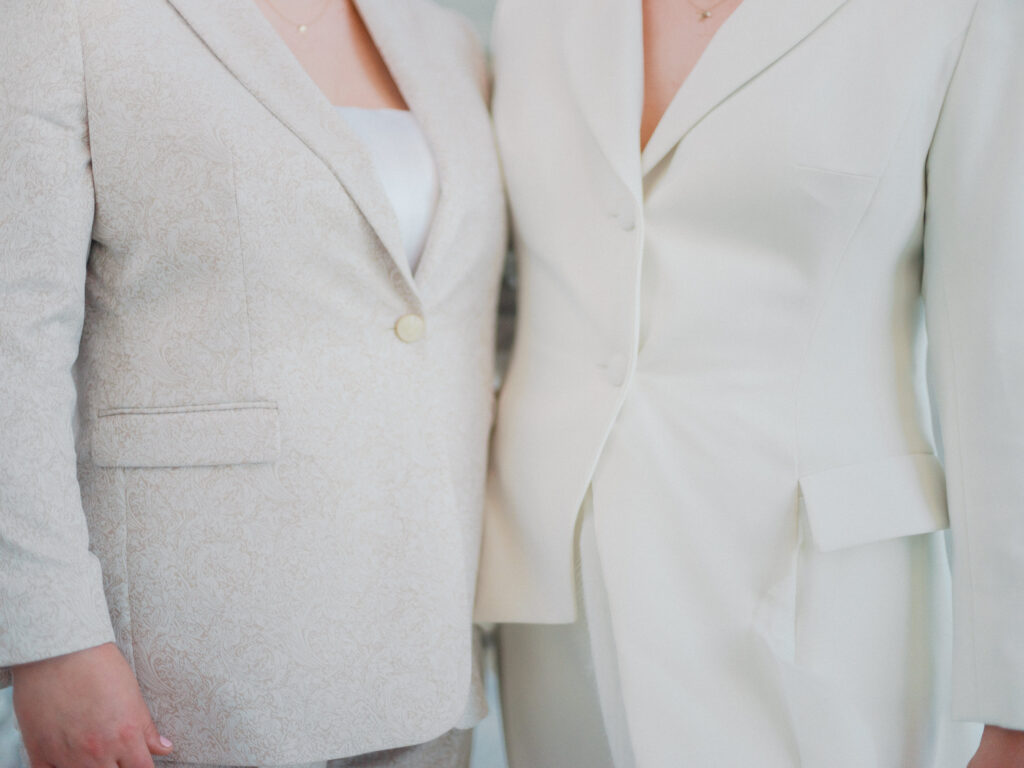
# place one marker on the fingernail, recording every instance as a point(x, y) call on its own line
point(165, 742)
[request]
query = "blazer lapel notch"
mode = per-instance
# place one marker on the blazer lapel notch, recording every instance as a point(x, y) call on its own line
point(426, 88)
point(251, 50)
point(602, 42)
point(759, 33)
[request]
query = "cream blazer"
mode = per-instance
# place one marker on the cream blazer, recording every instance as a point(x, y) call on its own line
point(836, 180)
point(237, 436)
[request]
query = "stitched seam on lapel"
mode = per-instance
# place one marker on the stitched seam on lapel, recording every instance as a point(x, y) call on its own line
point(649, 165)
point(254, 92)
point(285, 111)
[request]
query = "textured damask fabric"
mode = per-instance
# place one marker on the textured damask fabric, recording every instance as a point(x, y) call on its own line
point(214, 447)
point(452, 750)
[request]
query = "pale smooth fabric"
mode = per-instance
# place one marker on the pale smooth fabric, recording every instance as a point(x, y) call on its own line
point(238, 438)
point(723, 337)
point(560, 695)
point(405, 167)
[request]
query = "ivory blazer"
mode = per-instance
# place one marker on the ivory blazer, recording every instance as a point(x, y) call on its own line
point(822, 245)
point(237, 436)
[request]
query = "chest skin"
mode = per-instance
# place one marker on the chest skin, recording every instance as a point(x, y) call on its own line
point(337, 51)
point(676, 35)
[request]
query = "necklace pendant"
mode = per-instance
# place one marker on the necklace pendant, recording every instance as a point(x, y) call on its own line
point(705, 15)
point(302, 29)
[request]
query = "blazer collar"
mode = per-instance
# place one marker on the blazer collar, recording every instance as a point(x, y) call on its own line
point(409, 52)
point(758, 34)
point(603, 44)
point(246, 43)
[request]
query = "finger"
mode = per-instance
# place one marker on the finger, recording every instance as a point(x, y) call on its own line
point(138, 757)
point(36, 758)
point(157, 743)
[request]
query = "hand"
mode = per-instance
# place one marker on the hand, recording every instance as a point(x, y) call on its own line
point(85, 710)
point(1000, 748)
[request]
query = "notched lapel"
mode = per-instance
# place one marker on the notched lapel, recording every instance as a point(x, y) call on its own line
point(404, 46)
point(248, 46)
point(758, 34)
point(603, 45)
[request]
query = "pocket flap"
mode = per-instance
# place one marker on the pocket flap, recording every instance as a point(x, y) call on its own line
point(187, 436)
point(878, 500)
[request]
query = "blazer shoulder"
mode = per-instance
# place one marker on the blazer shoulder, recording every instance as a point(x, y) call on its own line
point(941, 21)
point(961, 15)
point(454, 33)
point(442, 18)
point(1007, 14)
point(30, 29)
point(989, 34)
point(34, 16)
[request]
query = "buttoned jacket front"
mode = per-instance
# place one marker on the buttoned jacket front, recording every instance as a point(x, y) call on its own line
point(220, 443)
point(835, 179)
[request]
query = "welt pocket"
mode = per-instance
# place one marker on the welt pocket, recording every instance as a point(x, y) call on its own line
point(853, 175)
point(187, 436)
point(875, 501)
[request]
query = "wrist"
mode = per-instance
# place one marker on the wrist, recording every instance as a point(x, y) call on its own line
point(52, 662)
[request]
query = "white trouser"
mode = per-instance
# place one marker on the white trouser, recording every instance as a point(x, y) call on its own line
point(559, 683)
point(561, 691)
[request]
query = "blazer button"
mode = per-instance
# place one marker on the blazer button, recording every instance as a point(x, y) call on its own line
point(616, 369)
point(410, 328)
point(625, 218)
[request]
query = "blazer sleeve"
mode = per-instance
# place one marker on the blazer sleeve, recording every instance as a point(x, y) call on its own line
point(974, 303)
point(51, 591)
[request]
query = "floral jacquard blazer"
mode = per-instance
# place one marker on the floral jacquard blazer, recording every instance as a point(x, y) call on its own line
point(237, 435)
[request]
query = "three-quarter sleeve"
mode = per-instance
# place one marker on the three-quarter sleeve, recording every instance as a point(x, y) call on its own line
point(51, 591)
point(974, 299)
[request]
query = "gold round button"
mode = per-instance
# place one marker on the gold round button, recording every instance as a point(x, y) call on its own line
point(410, 328)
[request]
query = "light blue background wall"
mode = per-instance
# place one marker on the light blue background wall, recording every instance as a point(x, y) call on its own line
point(478, 10)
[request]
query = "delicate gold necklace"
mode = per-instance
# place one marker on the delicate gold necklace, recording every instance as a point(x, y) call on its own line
point(705, 13)
point(301, 27)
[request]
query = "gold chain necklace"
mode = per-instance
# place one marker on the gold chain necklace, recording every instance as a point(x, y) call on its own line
point(301, 27)
point(705, 13)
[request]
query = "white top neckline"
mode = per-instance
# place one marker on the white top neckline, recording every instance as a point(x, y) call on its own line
point(405, 168)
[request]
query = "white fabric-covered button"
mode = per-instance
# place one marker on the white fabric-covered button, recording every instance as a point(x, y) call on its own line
point(624, 215)
point(626, 219)
point(616, 370)
point(410, 328)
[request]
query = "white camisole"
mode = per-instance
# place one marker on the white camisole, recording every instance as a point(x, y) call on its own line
point(405, 168)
